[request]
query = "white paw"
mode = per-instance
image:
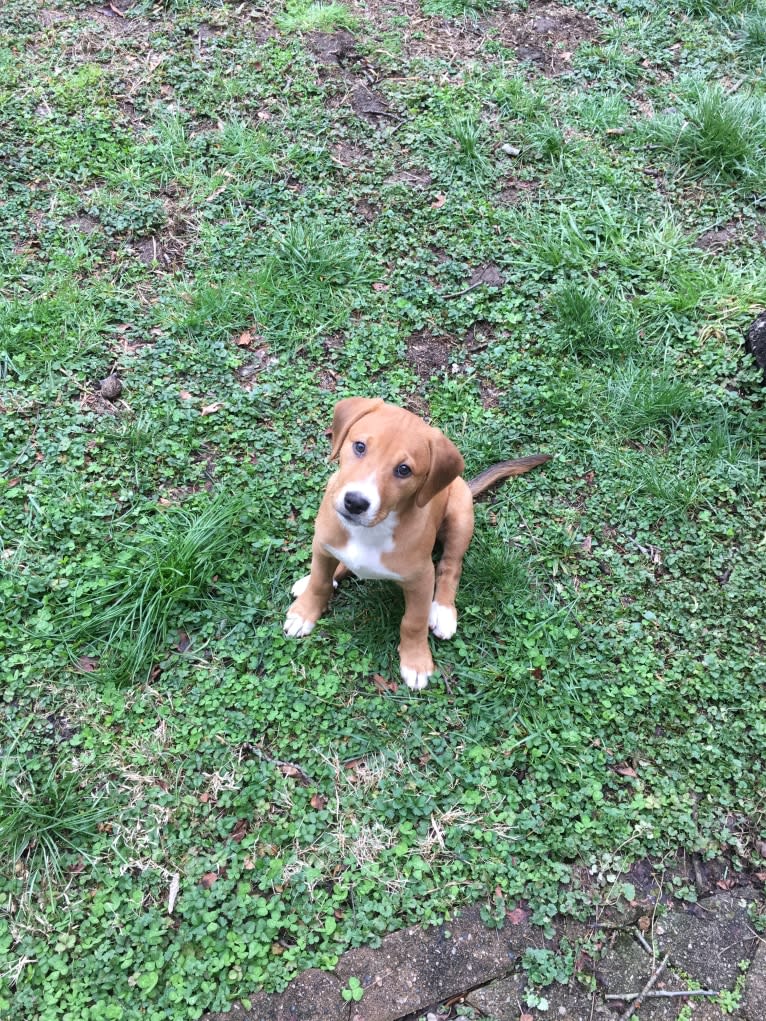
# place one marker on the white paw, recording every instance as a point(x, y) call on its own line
point(442, 620)
point(413, 679)
point(297, 627)
point(300, 586)
point(303, 583)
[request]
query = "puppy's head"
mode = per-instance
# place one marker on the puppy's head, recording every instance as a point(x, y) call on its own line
point(389, 460)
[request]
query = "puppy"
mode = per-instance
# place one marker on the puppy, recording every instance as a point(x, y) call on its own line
point(398, 489)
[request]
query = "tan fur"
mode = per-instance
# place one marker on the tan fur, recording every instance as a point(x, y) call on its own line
point(394, 536)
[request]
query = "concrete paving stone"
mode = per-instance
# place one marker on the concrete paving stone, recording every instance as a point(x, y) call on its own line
point(708, 941)
point(313, 996)
point(415, 968)
point(754, 999)
point(501, 1000)
point(626, 968)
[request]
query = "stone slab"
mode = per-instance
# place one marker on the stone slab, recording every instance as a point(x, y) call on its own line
point(754, 999)
point(411, 970)
point(415, 968)
point(709, 941)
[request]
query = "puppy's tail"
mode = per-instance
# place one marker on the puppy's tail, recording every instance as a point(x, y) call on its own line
point(504, 470)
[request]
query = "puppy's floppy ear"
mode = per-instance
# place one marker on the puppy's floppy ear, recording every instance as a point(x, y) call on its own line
point(346, 413)
point(446, 464)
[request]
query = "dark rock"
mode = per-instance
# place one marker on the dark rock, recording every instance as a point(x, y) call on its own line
point(756, 340)
point(111, 387)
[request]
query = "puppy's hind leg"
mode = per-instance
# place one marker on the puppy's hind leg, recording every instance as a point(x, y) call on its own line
point(455, 534)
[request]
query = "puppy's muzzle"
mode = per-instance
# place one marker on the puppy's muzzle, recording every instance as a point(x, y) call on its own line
point(355, 504)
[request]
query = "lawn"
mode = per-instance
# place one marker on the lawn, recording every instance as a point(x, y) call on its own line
point(543, 227)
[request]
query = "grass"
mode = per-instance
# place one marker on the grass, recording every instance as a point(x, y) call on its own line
point(160, 725)
point(169, 567)
point(715, 135)
point(46, 822)
point(316, 17)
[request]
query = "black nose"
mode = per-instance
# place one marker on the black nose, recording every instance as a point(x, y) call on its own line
point(355, 503)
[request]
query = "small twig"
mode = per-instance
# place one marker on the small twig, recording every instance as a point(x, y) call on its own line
point(459, 294)
point(279, 763)
point(656, 994)
point(643, 941)
point(636, 1002)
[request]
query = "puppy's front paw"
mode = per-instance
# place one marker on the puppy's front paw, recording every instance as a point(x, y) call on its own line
point(296, 626)
point(302, 584)
point(415, 679)
point(442, 620)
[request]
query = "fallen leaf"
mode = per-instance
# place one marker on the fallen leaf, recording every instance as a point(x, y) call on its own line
point(277, 949)
point(726, 884)
point(204, 798)
point(382, 684)
point(244, 339)
point(625, 771)
point(208, 879)
point(526, 1017)
point(210, 409)
point(318, 801)
point(87, 664)
point(439, 201)
point(183, 642)
point(587, 543)
point(644, 923)
point(240, 831)
point(185, 395)
point(517, 916)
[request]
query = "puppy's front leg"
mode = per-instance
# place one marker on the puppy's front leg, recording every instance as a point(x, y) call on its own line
point(313, 594)
point(415, 656)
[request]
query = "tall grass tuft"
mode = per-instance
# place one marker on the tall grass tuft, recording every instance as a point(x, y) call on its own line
point(45, 819)
point(300, 16)
point(714, 134)
point(640, 401)
point(126, 617)
point(592, 324)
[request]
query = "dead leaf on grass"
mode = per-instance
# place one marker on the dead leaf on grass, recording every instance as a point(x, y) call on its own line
point(87, 664)
point(210, 409)
point(382, 684)
point(439, 201)
point(318, 801)
point(625, 771)
point(239, 832)
point(208, 879)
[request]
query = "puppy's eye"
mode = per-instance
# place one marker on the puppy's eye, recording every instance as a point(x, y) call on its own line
point(359, 447)
point(402, 471)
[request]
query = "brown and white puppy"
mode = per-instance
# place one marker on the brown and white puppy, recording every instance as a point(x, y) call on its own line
point(398, 489)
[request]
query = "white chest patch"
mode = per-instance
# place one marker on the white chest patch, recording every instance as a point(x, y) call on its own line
point(362, 553)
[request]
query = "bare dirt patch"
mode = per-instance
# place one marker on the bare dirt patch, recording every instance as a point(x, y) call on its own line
point(332, 47)
point(429, 354)
point(546, 34)
point(515, 191)
point(719, 237)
